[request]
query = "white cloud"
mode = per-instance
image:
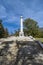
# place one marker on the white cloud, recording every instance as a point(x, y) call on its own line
point(16, 8)
point(11, 19)
point(3, 13)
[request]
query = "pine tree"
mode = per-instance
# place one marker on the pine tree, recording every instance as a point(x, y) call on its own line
point(3, 32)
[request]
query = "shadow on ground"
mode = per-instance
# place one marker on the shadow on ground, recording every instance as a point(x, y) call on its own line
point(21, 53)
point(28, 54)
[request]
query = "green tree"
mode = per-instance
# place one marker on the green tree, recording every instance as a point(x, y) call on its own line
point(41, 34)
point(16, 33)
point(6, 33)
point(3, 32)
point(31, 27)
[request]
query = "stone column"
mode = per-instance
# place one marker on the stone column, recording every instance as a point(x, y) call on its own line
point(21, 24)
point(21, 27)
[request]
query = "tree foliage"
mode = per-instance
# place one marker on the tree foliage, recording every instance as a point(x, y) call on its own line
point(31, 27)
point(3, 32)
point(16, 33)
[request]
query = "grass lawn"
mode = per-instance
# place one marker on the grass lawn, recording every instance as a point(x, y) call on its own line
point(40, 39)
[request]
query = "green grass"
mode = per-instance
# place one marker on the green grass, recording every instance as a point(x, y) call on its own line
point(40, 39)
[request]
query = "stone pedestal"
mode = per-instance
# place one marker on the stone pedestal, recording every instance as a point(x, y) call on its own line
point(21, 33)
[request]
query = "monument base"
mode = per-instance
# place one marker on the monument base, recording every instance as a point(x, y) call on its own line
point(21, 33)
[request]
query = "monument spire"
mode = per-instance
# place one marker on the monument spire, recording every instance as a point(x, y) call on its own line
point(21, 27)
point(21, 24)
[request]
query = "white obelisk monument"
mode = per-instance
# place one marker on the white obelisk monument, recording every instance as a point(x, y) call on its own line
point(21, 27)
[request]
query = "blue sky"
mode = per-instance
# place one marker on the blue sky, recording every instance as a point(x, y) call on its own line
point(11, 10)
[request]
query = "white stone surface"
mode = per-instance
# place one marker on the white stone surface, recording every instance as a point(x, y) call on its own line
point(19, 38)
